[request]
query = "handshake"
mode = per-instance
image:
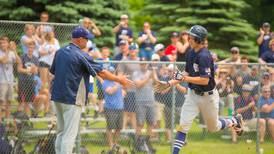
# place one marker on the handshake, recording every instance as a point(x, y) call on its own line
point(163, 85)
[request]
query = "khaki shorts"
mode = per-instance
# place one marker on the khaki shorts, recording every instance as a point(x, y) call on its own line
point(6, 92)
point(250, 125)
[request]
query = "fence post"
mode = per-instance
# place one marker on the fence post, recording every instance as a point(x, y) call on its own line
point(173, 112)
point(258, 115)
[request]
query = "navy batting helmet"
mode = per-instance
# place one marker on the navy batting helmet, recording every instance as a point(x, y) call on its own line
point(198, 32)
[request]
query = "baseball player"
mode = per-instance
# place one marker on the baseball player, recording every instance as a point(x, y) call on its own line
point(202, 95)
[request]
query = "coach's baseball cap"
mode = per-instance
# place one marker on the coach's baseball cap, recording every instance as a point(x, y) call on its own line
point(133, 46)
point(82, 32)
point(266, 24)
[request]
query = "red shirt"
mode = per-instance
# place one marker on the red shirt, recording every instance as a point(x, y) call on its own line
point(170, 49)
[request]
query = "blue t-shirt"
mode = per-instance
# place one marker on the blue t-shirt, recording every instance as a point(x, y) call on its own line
point(147, 44)
point(123, 31)
point(240, 103)
point(268, 56)
point(264, 46)
point(115, 100)
point(262, 101)
point(200, 64)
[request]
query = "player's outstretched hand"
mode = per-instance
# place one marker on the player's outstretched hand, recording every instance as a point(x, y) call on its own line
point(161, 86)
point(125, 82)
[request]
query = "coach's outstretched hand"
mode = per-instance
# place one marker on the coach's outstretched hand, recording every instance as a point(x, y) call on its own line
point(125, 82)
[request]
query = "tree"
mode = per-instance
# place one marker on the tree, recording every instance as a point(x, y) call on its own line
point(222, 18)
point(105, 13)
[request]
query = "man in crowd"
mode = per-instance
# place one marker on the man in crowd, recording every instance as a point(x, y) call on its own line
point(268, 56)
point(264, 38)
point(122, 32)
point(146, 39)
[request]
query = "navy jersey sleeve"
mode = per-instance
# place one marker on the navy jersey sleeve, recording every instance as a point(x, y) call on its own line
point(205, 66)
point(92, 67)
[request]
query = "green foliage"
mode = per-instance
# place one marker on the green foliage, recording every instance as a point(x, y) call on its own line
point(104, 13)
point(222, 18)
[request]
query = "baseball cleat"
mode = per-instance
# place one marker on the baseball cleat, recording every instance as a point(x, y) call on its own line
point(238, 127)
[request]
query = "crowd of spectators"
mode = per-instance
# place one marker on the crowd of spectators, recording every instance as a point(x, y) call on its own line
point(241, 85)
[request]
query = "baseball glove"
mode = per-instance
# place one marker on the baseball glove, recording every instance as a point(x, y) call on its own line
point(161, 85)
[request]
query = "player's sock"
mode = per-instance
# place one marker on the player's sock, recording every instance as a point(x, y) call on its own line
point(179, 142)
point(226, 123)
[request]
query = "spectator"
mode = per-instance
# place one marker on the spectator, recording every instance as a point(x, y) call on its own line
point(47, 51)
point(145, 102)
point(91, 48)
point(263, 38)
point(238, 85)
point(122, 32)
point(266, 104)
point(130, 101)
point(28, 37)
point(175, 46)
point(244, 69)
point(160, 51)
point(28, 68)
point(44, 16)
point(113, 109)
point(225, 86)
point(254, 81)
point(268, 56)
point(235, 56)
point(8, 58)
point(181, 53)
point(146, 39)
point(265, 79)
point(245, 105)
point(123, 46)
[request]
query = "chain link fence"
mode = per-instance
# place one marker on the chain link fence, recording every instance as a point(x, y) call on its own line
point(129, 120)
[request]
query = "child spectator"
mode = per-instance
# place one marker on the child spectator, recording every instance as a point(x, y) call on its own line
point(245, 105)
point(175, 46)
point(8, 58)
point(28, 68)
point(28, 37)
point(123, 50)
point(160, 51)
point(146, 40)
point(113, 109)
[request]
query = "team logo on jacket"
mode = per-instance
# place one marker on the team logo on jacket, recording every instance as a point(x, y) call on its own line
point(196, 67)
point(208, 70)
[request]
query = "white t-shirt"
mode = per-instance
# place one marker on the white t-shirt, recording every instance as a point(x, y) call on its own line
point(51, 49)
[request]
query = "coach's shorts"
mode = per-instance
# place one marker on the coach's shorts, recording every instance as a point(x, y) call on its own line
point(145, 114)
point(6, 92)
point(114, 118)
point(129, 102)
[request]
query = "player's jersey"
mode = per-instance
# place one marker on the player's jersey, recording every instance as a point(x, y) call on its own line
point(200, 64)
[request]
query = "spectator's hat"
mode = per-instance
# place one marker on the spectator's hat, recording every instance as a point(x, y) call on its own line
point(81, 32)
point(247, 88)
point(124, 16)
point(155, 57)
point(174, 34)
point(266, 75)
point(266, 24)
point(159, 47)
point(123, 42)
point(235, 49)
point(133, 47)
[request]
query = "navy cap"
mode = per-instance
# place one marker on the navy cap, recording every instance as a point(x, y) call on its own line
point(81, 32)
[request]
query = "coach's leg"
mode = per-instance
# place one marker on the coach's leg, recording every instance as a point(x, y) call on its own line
point(60, 127)
point(189, 112)
point(72, 115)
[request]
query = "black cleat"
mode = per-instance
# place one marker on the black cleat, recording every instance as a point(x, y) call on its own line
point(238, 127)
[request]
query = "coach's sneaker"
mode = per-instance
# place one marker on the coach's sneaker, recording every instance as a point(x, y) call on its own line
point(238, 126)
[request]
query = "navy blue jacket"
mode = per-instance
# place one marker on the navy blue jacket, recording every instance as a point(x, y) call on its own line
point(70, 66)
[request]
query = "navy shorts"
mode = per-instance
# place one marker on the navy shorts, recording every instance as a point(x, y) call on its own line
point(129, 102)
